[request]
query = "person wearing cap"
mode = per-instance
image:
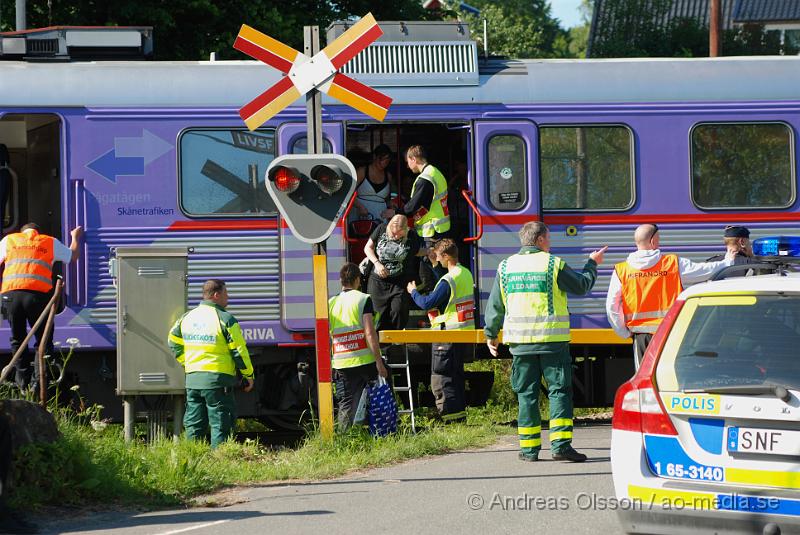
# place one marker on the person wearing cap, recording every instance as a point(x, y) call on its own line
point(373, 185)
point(647, 283)
point(737, 238)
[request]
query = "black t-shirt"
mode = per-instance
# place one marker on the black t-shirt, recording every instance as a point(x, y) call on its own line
point(395, 255)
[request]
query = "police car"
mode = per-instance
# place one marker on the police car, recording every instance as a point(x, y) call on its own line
point(706, 435)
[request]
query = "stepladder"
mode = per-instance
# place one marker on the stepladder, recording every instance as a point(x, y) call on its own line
point(400, 370)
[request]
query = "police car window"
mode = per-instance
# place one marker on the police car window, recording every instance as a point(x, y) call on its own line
point(221, 172)
point(743, 165)
point(751, 343)
point(586, 167)
point(508, 178)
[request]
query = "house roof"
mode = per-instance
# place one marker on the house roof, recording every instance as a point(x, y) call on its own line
point(766, 11)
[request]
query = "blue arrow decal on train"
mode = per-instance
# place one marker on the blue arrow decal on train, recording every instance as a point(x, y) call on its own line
point(130, 156)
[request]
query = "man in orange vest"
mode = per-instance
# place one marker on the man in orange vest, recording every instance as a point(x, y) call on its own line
point(643, 288)
point(28, 259)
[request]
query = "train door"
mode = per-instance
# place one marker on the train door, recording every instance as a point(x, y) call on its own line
point(297, 297)
point(447, 147)
point(30, 183)
point(506, 192)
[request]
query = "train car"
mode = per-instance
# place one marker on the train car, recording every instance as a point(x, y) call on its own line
point(155, 153)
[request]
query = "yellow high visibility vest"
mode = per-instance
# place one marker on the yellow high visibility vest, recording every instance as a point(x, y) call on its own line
point(536, 309)
point(205, 347)
point(349, 340)
point(460, 311)
point(437, 219)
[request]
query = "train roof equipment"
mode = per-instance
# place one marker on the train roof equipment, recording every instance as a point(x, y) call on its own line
point(78, 43)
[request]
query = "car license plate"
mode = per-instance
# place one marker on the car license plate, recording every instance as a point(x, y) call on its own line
point(755, 440)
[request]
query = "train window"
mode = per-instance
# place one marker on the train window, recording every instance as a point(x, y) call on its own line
point(743, 165)
point(299, 145)
point(508, 179)
point(221, 171)
point(586, 167)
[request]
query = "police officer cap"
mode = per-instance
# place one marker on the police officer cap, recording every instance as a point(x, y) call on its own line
point(732, 231)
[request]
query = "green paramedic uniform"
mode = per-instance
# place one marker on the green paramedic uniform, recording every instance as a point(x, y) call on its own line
point(529, 301)
point(208, 342)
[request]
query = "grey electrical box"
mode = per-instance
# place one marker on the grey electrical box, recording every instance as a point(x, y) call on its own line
point(151, 296)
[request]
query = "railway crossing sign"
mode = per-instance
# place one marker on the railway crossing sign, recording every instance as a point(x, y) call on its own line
point(312, 191)
point(305, 74)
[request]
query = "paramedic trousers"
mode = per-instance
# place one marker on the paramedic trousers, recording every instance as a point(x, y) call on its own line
point(526, 374)
point(640, 343)
point(214, 407)
point(447, 381)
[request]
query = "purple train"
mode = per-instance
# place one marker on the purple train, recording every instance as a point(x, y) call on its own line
point(154, 153)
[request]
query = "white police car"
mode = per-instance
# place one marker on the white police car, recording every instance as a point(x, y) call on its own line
point(706, 435)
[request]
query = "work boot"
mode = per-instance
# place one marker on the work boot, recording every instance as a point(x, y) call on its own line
point(570, 455)
point(529, 457)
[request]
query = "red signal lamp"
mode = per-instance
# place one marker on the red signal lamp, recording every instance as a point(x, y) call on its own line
point(286, 179)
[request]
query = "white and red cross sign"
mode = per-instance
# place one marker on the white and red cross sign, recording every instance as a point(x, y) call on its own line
point(305, 74)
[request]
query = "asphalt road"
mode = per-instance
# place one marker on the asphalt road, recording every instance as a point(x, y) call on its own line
point(481, 491)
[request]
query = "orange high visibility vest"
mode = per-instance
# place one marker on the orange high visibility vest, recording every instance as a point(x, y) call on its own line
point(29, 262)
point(648, 293)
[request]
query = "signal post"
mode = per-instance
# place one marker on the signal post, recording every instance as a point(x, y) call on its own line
point(311, 192)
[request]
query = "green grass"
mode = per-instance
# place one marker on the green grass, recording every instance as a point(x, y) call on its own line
point(89, 467)
point(97, 467)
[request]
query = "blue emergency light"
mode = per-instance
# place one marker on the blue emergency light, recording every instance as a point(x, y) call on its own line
point(777, 246)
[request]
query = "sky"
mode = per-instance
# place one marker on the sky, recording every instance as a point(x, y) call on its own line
point(567, 12)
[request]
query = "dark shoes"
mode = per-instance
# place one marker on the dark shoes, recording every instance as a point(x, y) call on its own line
point(569, 455)
point(528, 457)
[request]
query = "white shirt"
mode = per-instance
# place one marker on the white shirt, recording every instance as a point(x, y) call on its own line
point(690, 272)
point(61, 253)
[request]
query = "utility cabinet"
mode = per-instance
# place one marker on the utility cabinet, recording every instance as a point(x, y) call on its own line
point(151, 295)
point(152, 285)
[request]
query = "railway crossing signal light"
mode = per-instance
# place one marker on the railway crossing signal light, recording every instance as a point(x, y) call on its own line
point(311, 192)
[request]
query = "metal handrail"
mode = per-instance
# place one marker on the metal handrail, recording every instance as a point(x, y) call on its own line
point(49, 312)
point(478, 217)
point(346, 213)
point(476, 336)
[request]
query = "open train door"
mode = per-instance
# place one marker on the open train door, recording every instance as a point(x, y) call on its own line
point(297, 296)
point(506, 186)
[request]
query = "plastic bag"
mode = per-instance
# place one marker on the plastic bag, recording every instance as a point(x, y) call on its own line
point(360, 417)
point(382, 409)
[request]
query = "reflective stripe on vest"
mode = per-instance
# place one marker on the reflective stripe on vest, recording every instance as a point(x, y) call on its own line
point(348, 338)
point(536, 308)
point(647, 294)
point(437, 219)
point(28, 262)
point(460, 311)
point(205, 347)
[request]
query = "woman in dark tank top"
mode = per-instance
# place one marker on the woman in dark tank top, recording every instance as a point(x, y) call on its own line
point(373, 185)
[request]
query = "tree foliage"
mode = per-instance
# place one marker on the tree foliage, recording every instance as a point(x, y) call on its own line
point(191, 29)
point(519, 28)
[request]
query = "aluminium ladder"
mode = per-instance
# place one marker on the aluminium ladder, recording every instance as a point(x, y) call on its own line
point(404, 389)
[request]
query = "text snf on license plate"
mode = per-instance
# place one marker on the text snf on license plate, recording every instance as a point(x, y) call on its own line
point(755, 440)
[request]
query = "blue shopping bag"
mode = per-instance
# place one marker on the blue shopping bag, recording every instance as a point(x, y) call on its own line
point(382, 409)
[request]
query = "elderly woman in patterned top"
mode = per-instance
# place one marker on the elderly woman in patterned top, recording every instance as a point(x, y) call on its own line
point(392, 248)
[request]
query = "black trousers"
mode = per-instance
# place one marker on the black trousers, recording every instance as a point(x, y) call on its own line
point(391, 302)
point(640, 343)
point(23, 308)
point(447, 380)
point(350, 383)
